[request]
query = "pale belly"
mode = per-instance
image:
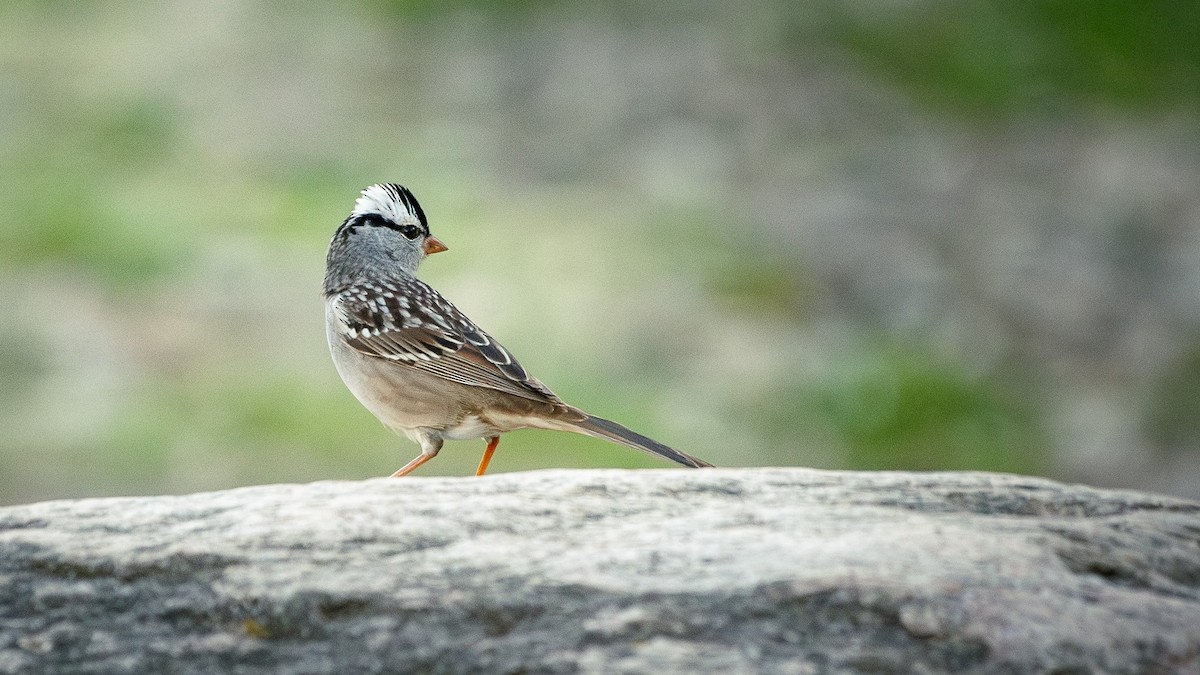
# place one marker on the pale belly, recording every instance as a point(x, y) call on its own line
point(407, 400)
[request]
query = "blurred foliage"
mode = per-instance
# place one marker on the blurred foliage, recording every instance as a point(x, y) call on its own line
point(997, 58)
point(167, 196)
point(22, 365)
point(898, 408)
point(1173, 414)
point(427, 9)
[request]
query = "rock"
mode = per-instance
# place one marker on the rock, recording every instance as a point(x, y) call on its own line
point(775, 570)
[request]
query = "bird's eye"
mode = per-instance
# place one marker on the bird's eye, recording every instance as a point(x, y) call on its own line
point(410, 231)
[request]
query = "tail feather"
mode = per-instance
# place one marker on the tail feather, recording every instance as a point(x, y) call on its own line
point(609, 430)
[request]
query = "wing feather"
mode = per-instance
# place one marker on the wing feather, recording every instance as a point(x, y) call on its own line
point(406, 321)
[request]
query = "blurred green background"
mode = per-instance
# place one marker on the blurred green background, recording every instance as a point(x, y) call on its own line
point(905, 235)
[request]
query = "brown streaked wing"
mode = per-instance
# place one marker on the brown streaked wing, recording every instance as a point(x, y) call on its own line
point(406, 321)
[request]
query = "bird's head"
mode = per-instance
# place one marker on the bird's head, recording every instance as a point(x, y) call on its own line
point(387, 228)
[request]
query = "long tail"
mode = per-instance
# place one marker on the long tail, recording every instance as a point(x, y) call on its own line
point(608, 430)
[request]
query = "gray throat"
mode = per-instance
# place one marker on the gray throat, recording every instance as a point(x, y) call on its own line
point(368, 254)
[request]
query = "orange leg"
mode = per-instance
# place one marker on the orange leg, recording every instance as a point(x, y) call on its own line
point(487, 455)
point(412, 466)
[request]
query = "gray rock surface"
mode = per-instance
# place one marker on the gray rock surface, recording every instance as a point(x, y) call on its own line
point(764, 570)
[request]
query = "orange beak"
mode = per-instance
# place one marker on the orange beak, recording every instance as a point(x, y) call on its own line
point(434, 245)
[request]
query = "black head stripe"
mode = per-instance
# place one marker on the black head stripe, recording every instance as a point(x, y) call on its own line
point(376, 220)
point(405, 197)
point(346, 228)
point(396, 193)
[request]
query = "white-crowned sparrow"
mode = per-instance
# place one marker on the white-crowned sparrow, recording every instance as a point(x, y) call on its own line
point(416, 362)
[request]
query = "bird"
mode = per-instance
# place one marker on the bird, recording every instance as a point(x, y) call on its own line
point(419, 364)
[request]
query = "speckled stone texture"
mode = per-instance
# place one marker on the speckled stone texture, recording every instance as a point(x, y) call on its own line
point(763, 570)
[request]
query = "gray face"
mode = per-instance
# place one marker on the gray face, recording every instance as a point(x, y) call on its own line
point(385, 235)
